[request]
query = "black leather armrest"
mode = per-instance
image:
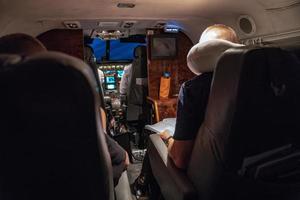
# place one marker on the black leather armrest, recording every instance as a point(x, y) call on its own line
point(173, 182)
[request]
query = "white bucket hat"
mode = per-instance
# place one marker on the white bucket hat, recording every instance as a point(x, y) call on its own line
point(203, 57)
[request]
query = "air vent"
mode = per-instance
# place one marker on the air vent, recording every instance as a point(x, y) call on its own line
point(128, 24)
point(72, 24)
point(160, 24)
point(246, 25)
point(108, 24)
point(126, 5)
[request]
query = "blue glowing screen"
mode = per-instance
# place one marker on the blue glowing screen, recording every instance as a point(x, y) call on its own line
point(118, 50)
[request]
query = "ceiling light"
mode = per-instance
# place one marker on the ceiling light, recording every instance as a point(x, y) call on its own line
point(171, 29)
point(109, 34)
point(128, 24)
point(72, 24)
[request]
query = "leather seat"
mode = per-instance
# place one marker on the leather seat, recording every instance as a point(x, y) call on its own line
point(137, 112)
point(253, 109)
point(137, 89)
point(51, 141)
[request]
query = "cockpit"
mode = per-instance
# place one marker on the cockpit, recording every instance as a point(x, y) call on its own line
point(113, 73)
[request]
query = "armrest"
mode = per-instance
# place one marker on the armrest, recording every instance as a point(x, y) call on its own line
point(153, 102)
point(173, 182)
point(122, 190)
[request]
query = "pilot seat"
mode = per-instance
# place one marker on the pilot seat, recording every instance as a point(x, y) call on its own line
point(138, 92)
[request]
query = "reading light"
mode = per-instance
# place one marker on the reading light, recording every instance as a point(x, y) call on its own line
point(109, 35)
point(72, 24)
point(126, 5)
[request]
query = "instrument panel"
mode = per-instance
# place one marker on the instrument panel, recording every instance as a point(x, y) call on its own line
point(113, 73)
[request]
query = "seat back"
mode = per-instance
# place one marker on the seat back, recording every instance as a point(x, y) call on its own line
point(138, 82)
point(253, 108)
point(52, 144)
point(137, 89)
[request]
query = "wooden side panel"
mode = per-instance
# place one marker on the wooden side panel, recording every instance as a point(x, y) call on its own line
point(163, 108)
point(64, 40)
point(179, 74)
point(167, 108)
point(178, 66)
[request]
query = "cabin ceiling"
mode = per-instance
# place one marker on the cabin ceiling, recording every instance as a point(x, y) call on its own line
point(36, 16)
point(108, 8)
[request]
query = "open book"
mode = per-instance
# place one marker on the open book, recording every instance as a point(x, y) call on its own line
point(167, 124)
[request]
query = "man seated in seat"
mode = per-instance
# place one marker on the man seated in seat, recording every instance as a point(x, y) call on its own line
point(193, 97)
point(27, 45)
point(22, 44)
point(90, 59)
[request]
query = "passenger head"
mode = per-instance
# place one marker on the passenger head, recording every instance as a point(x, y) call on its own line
point(89, 56)
point(219, 31)
point(21, 44)
point(214, 41)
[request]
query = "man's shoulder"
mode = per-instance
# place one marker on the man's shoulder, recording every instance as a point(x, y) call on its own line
point(199, 81)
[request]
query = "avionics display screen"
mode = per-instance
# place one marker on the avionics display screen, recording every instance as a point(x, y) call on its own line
point(120, 73)
point(110, 87)
point(110, 80)
point(108, 72)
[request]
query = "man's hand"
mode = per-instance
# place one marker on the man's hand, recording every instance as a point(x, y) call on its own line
point(126, 162)
point(164, 135)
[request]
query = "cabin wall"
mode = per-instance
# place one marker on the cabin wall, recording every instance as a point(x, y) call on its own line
point(64, 40)
point(177, 66)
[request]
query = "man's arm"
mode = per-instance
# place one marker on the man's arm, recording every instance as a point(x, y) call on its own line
point(118, 155)
point(192, 101)
point(124, 84)
point(179, 150)
point(119, 158)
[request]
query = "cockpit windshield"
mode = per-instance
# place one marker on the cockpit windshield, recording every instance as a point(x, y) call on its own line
point(114, 50)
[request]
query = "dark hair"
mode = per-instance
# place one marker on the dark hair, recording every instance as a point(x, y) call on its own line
point(20, 43)
point(88, 54)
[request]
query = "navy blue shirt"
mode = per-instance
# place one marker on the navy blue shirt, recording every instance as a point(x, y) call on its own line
point(192, 102)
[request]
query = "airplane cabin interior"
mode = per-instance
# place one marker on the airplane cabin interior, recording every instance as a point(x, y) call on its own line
point(112, 105)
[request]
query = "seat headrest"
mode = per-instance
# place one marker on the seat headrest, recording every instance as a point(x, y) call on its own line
point(140, 51)
point(203, 57)
point(50, 120)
